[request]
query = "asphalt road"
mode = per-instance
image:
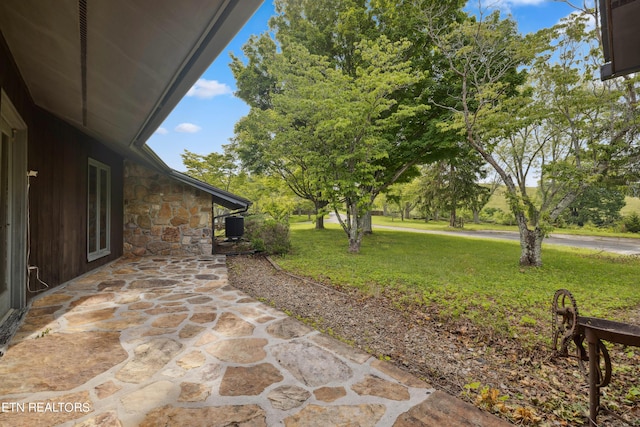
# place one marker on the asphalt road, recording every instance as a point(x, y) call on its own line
point(617, 245)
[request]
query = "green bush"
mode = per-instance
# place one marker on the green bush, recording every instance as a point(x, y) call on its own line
point(632, 222)
point(267, 235)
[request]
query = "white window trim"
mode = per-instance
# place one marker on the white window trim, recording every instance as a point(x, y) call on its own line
point(99, 253)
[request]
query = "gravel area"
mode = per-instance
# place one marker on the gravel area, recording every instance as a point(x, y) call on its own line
point(526, 387)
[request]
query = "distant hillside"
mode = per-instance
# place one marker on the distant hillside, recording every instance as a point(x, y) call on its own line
point(498, 201)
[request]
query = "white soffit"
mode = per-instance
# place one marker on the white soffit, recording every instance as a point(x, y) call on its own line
point(140, 57)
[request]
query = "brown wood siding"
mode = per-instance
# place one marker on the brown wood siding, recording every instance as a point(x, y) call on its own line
point(58, 195)
point(58, 199)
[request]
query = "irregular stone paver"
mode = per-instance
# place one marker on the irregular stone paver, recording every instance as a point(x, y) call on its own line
point(241, 350)
point(169, 321)
point(203, 317)
point(36, 364)
point(440, 408)
point(311, 365)
point(152, 283)
point(288, 397)
point(122, 323)
point(222, 416)
point(44, 311)
point(207, 277)
point(329, 394)
point(53, 299)
point(157, 331)
point(75, 319)
point(199, 300)
point(176, 297)
point(321, 416)
point(193, 392)
point(111, 285)
point(166, 310)
point(107, 389)
point(249, 381)
point(193, 360)
point(205, 339)
point(90, 300)
point(149, 358)
point(149, 397)
point(143, 341)
point(211, 372)
point(33, 324)
point(288, 328)
point(143, 305)
point(231, 325)
point(374, 386)
point(106, 419)
point(190, 331)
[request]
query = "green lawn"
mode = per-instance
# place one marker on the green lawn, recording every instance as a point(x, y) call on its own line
point(464, 278)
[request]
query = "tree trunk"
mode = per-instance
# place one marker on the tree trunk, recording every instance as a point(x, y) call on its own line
point(319, 217)
point(367, 226)
point(530, 246)
point(354, 245)
point(355, 229)
point(452, 218)
point(476, 216)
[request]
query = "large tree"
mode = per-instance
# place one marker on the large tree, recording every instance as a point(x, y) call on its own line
point(215, 168)
point(560, 123)
point(345, 35)
point(449, 185)
point(334, 124)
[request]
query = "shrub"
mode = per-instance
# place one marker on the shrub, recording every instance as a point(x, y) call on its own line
point(268, 235)
point(632, 222)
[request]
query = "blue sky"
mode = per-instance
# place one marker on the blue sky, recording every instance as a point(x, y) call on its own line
point(203, 121)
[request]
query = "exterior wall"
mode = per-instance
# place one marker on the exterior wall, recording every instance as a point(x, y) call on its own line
point(163, 216)
point(58, 195)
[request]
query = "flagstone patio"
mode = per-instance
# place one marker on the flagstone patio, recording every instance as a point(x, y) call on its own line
point(166, 341)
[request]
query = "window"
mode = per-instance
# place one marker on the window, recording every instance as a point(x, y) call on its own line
point(99, 210)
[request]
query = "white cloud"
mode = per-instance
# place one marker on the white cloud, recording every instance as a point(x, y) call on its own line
point(161, 131)
point(207, 89)
point(187, 128)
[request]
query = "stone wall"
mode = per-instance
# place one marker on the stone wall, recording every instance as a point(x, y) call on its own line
point(163, 216)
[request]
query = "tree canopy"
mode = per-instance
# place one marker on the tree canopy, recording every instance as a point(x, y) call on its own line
point(350, 97)
point(337, 103)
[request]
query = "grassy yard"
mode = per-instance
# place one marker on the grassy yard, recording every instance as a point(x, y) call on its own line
point(474, 279)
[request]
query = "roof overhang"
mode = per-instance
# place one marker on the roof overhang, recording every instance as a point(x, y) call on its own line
point(219, 196)
point(116, 68)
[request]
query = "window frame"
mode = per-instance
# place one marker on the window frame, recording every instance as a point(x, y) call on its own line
point(100, 199)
